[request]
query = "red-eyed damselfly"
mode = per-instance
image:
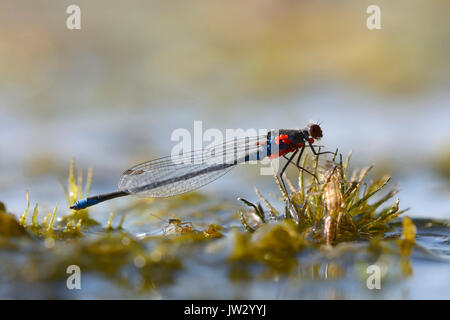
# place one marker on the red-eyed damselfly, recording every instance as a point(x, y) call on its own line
point(188, 171)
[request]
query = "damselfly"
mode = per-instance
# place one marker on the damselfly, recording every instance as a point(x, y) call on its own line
point(188, 171)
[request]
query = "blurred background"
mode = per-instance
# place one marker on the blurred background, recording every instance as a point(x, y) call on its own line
point(111, 94)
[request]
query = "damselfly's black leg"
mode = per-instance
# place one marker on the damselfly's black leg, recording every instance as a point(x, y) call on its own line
point(315, 152)
point(299, 156)
point(297, 164)
point(284, 169)
point(301, 168)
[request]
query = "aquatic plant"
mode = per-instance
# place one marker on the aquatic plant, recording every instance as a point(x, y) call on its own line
point(320, 231)
point(336, 210)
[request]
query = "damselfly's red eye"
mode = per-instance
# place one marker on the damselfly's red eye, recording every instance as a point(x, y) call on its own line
point(315, 131)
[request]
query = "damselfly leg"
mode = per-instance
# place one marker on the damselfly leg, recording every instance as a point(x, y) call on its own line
point(297, 163)
point(284, 169)
point(315, 152)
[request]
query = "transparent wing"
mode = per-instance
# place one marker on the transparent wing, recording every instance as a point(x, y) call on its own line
point(188, 171)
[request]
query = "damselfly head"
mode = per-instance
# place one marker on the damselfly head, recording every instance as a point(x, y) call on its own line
point(314, 131)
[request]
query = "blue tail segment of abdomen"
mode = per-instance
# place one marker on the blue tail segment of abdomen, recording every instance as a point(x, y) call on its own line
point(84, 203)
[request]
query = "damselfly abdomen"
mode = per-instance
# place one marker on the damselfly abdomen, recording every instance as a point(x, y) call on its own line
point(188, 171)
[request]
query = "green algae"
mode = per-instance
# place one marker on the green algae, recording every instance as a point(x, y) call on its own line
point(321, 232)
